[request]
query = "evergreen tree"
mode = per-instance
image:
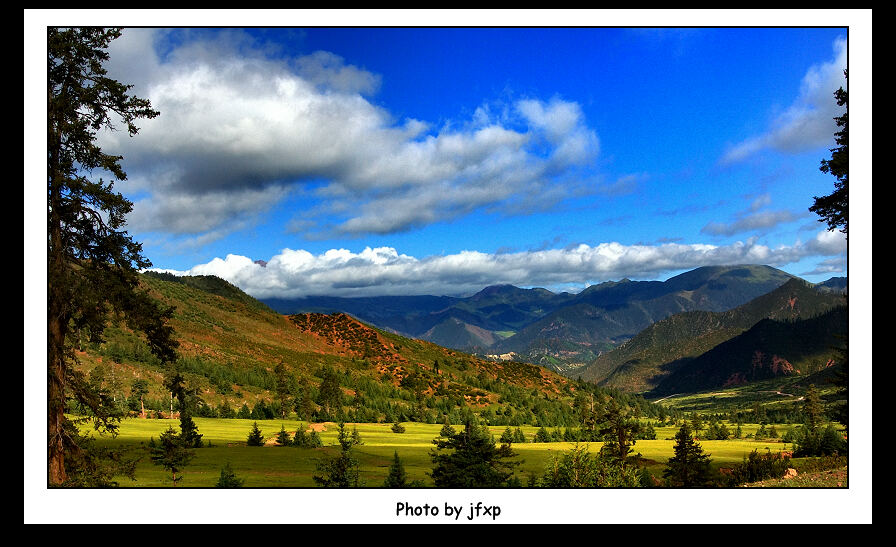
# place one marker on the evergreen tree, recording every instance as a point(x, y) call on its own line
point(343, 471)
point(225, 410)
point(139, 388)
point(283, 437)
point(471, 460)
point(255, 437)
point(696, 423)
point(92, 262)
point(812, 409)
point(171, 453)
point(314, 440)
point(284, 388)
point(447, 430)
point(618, 431)
point(304, 401)
point(244, 412)
point(398, 428)
point(397, 477)
point(228, 478)
point(834, 208)
point(507, 437)
point(689, 466)
point(645, 479)
point(186, 401)
point(330, 393)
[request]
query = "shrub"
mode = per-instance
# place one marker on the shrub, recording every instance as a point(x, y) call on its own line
point(757, 467)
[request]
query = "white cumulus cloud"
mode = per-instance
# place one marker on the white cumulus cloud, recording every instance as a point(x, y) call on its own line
point(385, 271)
point(809, 121)
point(240, 129)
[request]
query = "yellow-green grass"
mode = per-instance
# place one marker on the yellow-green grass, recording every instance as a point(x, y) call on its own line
point(273, 466)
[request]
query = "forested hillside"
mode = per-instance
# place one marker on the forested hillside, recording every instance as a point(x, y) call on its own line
point(241, 357)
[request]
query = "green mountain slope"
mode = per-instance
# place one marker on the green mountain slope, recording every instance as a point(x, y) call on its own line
point(604, 316)
point(561, 331)
point(642, 362)
point(770, 349)
point(231, 347)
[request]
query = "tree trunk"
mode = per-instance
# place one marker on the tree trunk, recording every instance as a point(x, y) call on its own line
point(56, 404)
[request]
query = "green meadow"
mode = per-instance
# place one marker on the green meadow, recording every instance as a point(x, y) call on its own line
point(273, 466)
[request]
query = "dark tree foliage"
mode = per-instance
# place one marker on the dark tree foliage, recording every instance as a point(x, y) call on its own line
point(187, 400)
point(812, 409)
point(92, 262)
point(689, 466)
point(304, 401)
point(447, 431)
point(579, 468)
point(283, 438)
point(303, 439)
point(343, 471)
point(834, 208)
point(228, 478)
point(471, 460)
point(398, 477)
point(171, 453)
point(255, 437)
point(619, 431)
point(825, 441)
point(330, 393)
point(285, 388)
point(840, 380)
point(757, 467)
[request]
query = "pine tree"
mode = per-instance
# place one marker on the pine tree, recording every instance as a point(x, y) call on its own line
point(812, 409)
point(696, 423)
point(186, 400)
point(834, 208)
point(244, 412)
point(471, 460)
point(619, 431)
point(92, 262)
point(255, 437)
point(228, 478)
point(507, 437)
point(397, 477)
point(283, 437)
point(689, 467)
point(171, 453)
point(343, 471)
point(447, 430)
point(284, 388)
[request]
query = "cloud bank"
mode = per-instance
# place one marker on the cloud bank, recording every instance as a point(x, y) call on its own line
point(385, 271)
point(241, 129)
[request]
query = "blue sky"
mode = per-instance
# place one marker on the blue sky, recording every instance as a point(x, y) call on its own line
point(364, 161)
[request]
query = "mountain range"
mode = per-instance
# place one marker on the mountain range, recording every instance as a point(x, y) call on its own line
point(700, 345)
point(561, 331)
point(651, 341)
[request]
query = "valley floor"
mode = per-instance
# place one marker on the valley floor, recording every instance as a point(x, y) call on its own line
point(273, 466)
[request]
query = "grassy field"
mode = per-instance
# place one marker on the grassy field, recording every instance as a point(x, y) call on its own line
point(274, 466)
